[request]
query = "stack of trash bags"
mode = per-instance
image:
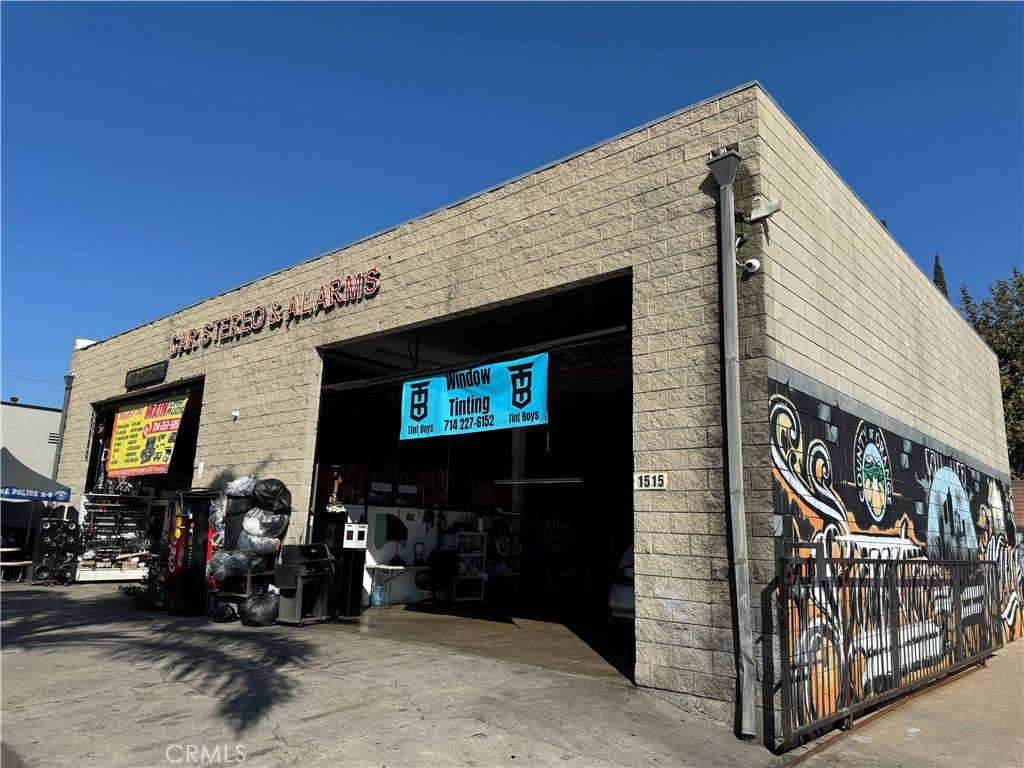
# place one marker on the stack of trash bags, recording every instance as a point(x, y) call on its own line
point(248, 522)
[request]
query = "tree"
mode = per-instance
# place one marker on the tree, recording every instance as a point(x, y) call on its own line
point(999, 320)
point(939, 278)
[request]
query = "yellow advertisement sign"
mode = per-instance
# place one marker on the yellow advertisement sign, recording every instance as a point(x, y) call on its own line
point(144, 439)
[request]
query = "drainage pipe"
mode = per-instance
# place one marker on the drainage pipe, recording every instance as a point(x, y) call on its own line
point(69, 379)
point(724, 166)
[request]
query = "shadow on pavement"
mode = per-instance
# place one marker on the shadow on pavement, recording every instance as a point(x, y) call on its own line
point(238, 665)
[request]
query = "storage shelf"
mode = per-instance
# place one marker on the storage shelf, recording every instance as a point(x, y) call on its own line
point(506, 539)
point(113, 523)
point(472, 547)
point(249, 577)
point(225, 593)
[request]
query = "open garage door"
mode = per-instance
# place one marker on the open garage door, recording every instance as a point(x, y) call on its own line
point(530, 521)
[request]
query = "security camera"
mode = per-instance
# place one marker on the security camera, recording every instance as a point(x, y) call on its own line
point(750, 266)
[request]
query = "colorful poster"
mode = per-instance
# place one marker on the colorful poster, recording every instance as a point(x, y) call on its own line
point(478, 399)
point(143, 439)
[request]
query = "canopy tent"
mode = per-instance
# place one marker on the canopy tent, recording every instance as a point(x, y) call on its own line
point(20, 519)
point(21, 483)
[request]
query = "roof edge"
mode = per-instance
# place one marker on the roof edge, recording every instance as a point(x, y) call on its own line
point(488, 190)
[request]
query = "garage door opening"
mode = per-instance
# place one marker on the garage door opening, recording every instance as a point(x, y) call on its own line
point(143, 449)
point(530, 522)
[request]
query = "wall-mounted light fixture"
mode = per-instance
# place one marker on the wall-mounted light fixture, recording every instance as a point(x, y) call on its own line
point(762, 213)
point(235, 415)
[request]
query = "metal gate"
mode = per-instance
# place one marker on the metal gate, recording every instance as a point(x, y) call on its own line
point(858, 631)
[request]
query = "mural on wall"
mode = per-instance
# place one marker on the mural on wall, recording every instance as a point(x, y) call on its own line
point(927, 567)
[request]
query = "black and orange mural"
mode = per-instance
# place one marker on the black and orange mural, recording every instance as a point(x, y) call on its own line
point(903, 561)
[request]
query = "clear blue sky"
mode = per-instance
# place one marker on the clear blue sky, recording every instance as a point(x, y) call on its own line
point(156, 154)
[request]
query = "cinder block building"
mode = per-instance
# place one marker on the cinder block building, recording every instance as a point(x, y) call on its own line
point(748, 381)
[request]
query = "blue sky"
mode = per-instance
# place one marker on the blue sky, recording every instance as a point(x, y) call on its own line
point(156, 154)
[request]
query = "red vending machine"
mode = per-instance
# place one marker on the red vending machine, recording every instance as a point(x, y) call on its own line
point(188, 550)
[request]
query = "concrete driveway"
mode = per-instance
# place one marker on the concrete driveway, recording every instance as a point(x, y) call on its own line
point(87, 681)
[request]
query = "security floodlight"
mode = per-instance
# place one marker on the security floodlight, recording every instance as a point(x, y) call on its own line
point(764, 211)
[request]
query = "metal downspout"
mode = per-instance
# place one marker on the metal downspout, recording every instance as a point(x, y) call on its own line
point(724, 166)
point(69, 379)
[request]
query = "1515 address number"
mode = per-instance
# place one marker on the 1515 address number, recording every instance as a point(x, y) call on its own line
point(650, 481)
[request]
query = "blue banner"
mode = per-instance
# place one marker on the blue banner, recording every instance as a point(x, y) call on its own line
point(61, 495)
point(477, 399)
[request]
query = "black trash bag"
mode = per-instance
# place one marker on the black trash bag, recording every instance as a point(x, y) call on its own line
point(234, 513)
point(261, 522)
point(223, 565)
point(260, 610)
point(217, 567)
point(272, 495)
point(225, 613)
point(262, 545)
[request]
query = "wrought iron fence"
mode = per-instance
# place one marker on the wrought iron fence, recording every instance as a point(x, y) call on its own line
point(857, 631)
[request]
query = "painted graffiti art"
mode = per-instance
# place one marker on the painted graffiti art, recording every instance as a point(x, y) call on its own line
point(910, 560)
point(873, 473)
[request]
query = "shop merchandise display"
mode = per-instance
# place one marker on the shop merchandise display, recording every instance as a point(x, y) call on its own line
point(114, 534)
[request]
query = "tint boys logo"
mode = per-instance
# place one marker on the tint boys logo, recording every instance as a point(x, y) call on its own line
point(522, 384)
point(418, 400)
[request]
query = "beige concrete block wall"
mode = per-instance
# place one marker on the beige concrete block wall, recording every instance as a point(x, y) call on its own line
point(684, 628)
point(643, 203)
point(848, 308)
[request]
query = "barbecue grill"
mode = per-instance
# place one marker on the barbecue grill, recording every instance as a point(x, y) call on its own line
point(304, 577)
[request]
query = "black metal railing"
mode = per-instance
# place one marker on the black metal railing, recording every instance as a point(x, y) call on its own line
point(856, 631)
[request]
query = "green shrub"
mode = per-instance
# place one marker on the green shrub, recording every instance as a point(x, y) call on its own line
point(148, 594)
